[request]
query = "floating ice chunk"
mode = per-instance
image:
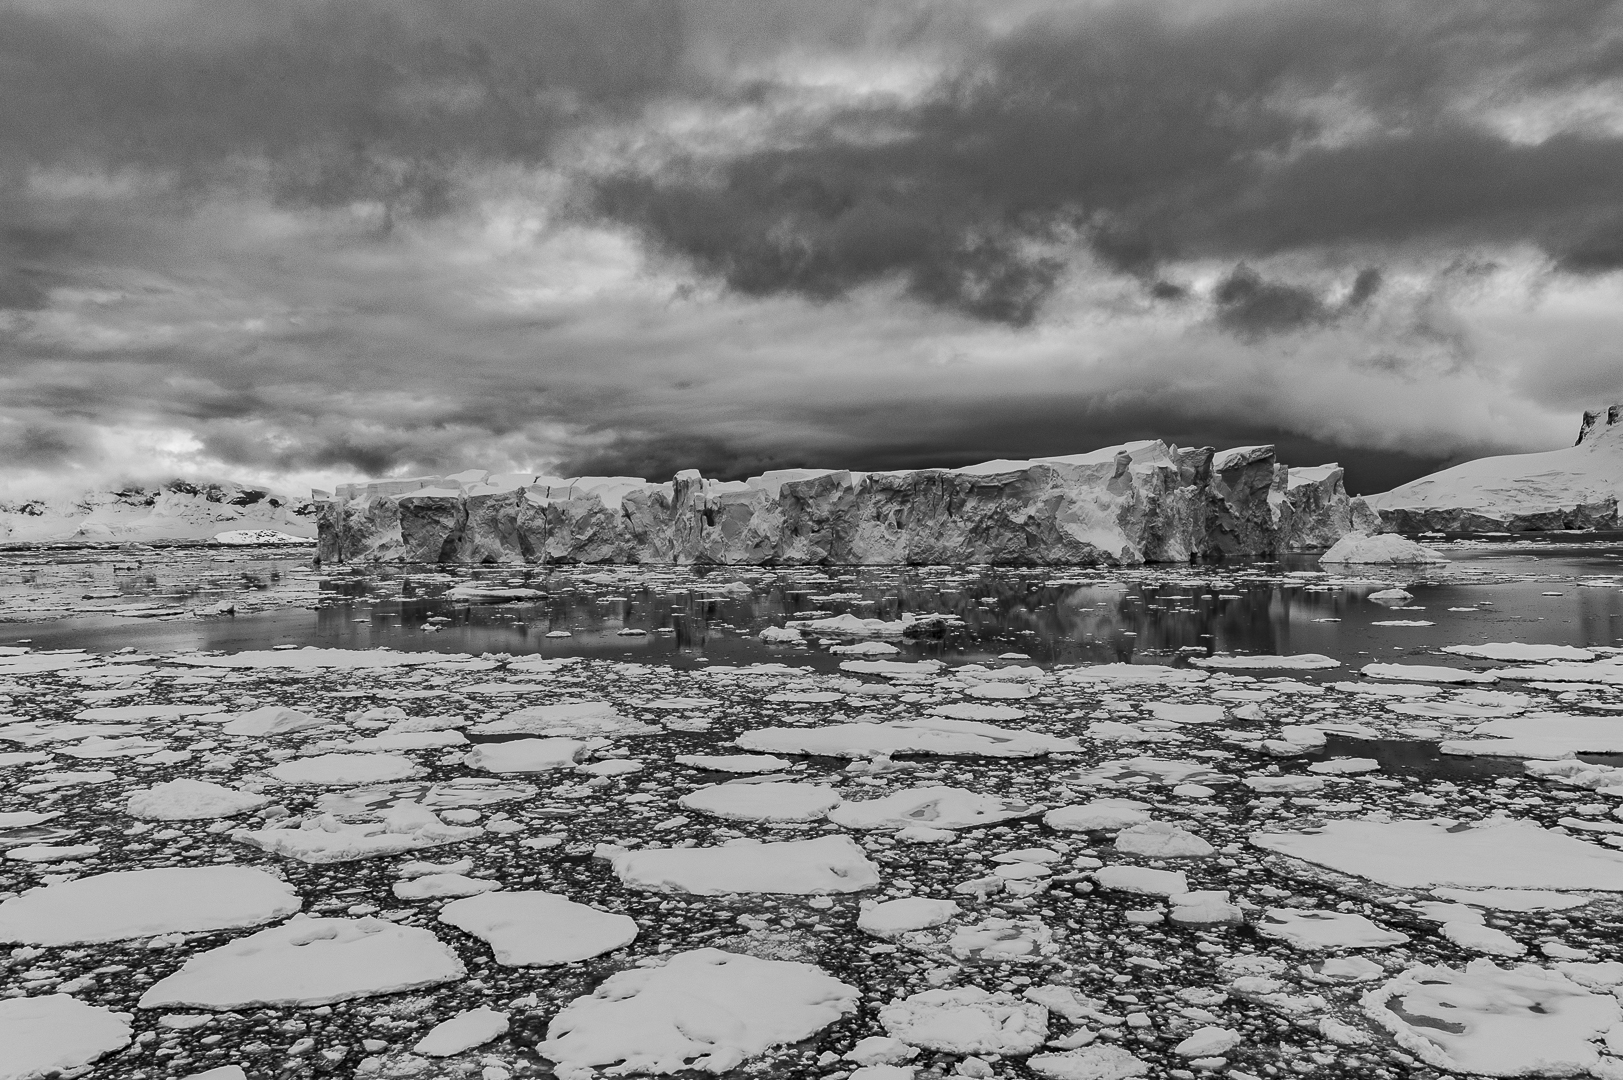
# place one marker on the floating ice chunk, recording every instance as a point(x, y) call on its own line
point(1326, 930)
point(461, 791)
point(124, 714)
point(1397, 690)
point(884, 1072)
point(763, 802)
point(309, 962)
point(1206, 907)
point(145, 903)
point(49, 853)
point(861, 648)
point(1513, 899)
point(967, 1020)
point(437, 886)
point(191, 800)
point(828, 864)
point(893, 669)
point(1492, 1021)
point(998, 691)
point(705, 1009)
point(464, 1031)
point(525, 755)
point(1099, 815)
point(1266, 662)
point(326, 839)
point(399, 740)
point(1344, 766)
point(880, 1050)
point(1131, 674)
point(1385, 549)
point(573, 719)
point(270, 720)
point(734, 763)
point(1208, 1041)
point(539, 928)
point(54, 1034)
point(1517, 651)
point(975, 710)
point(330, 770)
point(1483, 939)
point(1089, 1063)
point(478, 593)
point(1544, 736)
point(1187, 714)
point(311, 658)
point(1295, 785)
point(1422, 854)
point(1141, 880)
point(892, 918)
point(224, 1072)
point(1342, 969)
point(934, 807)
point(1161, 840)
point(1600, 674)
point(854, 626)
point(924, 736)
point(1141, 771)
point(1426, 673)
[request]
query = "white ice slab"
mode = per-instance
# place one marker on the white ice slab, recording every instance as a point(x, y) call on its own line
point(1492, 1021)
point(464, 1031)
point(54, 1033)
point(967, 1020)
point(191, 800)
point(929, 735)
point(1422, 854)
point(330, 770)
point(1307, 929)
point(828, 864)
point(705, 1009)
point(1098, 815)
point(1265, 662)
point(763, 802)
point(933, 807)
point(146, 903)
point(309, 962)
point(539, 928)
point(525, 755)
point(892, 918)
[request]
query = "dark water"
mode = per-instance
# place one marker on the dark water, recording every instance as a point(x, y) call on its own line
point(105, 600)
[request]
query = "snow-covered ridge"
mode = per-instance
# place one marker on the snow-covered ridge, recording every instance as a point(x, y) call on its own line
point(1121, 505)
point(1574, 488)
point(176, 511)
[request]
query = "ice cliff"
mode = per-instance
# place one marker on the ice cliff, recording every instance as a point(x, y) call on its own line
point(1574, 488)
point(176, 511)
point(1123, 505)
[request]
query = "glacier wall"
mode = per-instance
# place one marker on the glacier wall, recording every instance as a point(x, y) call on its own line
point(1123, 505)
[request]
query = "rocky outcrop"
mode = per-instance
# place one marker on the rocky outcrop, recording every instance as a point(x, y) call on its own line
point(178, 511)
point(1125, 505)
point(1574, 488)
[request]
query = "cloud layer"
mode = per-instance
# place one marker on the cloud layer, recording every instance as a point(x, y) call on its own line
point(309, 241)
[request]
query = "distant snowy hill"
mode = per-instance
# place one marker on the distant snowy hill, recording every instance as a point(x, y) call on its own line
point(1575, 488)
point(176, 511)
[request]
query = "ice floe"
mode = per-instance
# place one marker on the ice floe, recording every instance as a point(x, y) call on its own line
point(929, 735)
point(55, 1035)
point(1307, 929)
point(464, 1031)
point(191, 800)
point(828, 864)
point(933, 807)
point(967, 1020)
point(1421, 854)
point(145, 903)
point(526, 929)
point(705, 1009)
point(1493, 1021)
point(525, 755)
point(763, 802)
point(331, 770)
point(309, 961)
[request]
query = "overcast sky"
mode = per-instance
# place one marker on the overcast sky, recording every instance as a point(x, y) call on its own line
point(301, 242)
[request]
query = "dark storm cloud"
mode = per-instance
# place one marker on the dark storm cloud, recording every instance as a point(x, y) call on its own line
point(342, 101)
point(1253, 307)
point(662, 456)
point(1156, 132)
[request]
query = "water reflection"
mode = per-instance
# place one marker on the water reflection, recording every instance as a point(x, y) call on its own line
point(105, 600)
